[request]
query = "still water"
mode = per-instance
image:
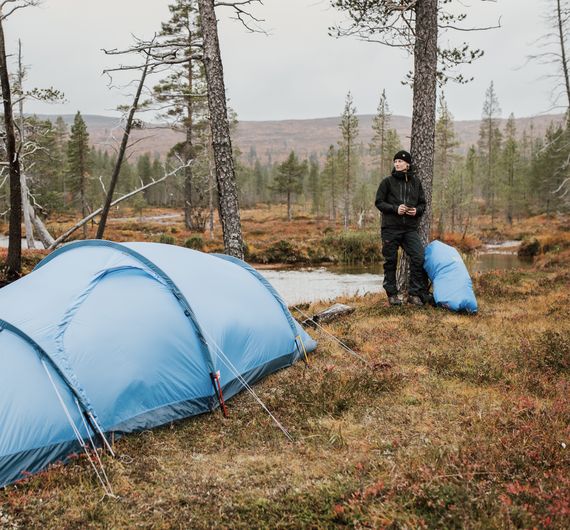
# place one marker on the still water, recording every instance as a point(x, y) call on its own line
point(310, 284)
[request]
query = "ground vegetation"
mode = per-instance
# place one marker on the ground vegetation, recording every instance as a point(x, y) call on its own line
point(456, 421)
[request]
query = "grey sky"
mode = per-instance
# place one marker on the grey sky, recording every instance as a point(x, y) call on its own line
point(297, 72)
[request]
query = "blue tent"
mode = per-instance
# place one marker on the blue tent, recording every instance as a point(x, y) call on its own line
point(452, 286)
point(126, 337)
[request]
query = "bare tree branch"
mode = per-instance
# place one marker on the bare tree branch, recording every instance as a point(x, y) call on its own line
point(24, 3)
point(63, 237)
point(242, 15)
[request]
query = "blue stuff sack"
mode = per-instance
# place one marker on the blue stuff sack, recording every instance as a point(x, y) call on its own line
point(452, 287)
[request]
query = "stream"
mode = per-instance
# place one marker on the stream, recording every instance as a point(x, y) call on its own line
point(327, 282)
point(309, 284)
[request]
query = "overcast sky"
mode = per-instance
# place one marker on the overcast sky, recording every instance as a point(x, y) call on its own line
point(295, 72)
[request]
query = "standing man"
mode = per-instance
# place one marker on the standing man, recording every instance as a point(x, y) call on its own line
point(400, 198)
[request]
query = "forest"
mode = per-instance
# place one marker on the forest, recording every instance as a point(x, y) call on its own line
point(509, 175)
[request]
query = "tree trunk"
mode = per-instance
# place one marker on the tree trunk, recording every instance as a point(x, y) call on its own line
point(423, 115)
point(560, 16)
point(347, 198)
point(120, 156)
point(211, 197)
point(84, 211)
point(188, 151)
point(403, 273)
point(14, 258)
point(25, 200)
point(424, 105)
point(221, 141)
point(26, 211)
point(41, 230)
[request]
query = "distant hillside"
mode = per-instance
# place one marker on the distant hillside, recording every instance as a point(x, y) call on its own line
point(276, 139)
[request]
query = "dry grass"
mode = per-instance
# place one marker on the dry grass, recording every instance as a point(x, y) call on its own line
point(463, 423)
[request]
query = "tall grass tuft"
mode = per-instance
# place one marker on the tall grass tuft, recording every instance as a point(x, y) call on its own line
point(167, 239)
point(195, 242)
point(355, 247)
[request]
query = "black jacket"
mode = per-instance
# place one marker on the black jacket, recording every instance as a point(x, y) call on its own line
point(400, 188)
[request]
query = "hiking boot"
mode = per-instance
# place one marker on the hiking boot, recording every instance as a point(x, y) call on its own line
point(394, 300)
point(415, 300)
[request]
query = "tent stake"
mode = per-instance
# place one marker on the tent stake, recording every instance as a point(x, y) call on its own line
point(218, 388)
point(306, 359)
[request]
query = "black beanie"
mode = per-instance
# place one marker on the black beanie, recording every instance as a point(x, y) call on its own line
point(403, 155)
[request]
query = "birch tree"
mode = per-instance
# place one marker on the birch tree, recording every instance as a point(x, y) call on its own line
point(129, 122)
point(553, 49)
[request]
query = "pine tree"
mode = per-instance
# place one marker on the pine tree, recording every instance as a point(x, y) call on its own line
point(385, 141)
point(490, 140)
point(45, 172)
point(183, 93)
point(259, 181)
point(79, 162)
point(314, 187)
point(445, 143)
point(61, 134)
point(289, 179)
point(547, 175)
point(471, 168)
point(332, 181)
point(510, 160)
point(349, 128)
point(524, 173)
point(144, 172)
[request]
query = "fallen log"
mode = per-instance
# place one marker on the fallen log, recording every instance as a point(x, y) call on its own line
point(328, 315)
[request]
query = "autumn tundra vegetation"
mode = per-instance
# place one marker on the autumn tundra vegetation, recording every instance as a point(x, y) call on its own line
point(419, 417)
point(455, 421)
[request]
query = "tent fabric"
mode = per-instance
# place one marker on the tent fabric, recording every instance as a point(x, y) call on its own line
point(452, 287)
point(131, 334)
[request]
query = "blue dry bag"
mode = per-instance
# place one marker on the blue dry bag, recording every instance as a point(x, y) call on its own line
point(452, 287)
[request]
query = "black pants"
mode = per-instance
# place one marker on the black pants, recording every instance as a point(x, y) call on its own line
point(409, 240)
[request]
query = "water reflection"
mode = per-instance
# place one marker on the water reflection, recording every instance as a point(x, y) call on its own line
point(487, 262)
point(310, 284)
point(324, 283)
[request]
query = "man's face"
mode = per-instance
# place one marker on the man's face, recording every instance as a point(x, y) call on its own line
point(400, 165)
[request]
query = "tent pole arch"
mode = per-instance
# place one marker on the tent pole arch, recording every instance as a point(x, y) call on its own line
point(42, 354)
point(156, 270)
